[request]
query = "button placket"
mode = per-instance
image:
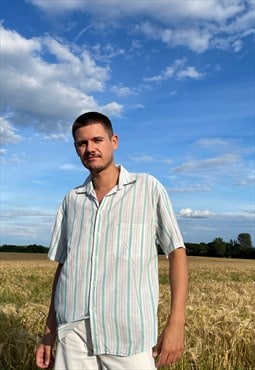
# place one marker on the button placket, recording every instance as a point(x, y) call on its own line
point(95, 327)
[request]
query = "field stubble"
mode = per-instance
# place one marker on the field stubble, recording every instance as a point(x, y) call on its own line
point(220, 325)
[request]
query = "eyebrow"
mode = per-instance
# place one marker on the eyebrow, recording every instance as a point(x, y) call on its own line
point(93, 138)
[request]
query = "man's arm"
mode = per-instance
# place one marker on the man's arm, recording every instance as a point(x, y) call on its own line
point(171, 342)
point(44, 357)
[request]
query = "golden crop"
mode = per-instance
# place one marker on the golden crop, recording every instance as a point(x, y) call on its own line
point(220, 325)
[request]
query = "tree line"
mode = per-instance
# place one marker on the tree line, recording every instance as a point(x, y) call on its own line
point(31, 248)
point(239, 248)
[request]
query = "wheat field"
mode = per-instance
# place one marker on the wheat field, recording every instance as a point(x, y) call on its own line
point(220, 326)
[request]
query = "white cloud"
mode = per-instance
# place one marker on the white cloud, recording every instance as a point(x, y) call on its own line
point(71, 167)
point(222, 145)
point(209, 163)
point(190, 189)
point(105, 53)
point(231, 168)
point(243, 23)
point(225, 225)
point(249, 180)
point(8, 134)
point(167, 11)
point(14, 213)
point(123, 91)
point(237, 45)
point(23, 225)
point(193, 38)
point(213, 142)
point(150, 158)
point(56, 7)
point(14, 159)
point(174, 23)
point(178, 70)
point(142, 158)
point(227, 146)
point(113, 108)
point(37, 92)
point(194, 213)
point(190, 72)
point(56, 137)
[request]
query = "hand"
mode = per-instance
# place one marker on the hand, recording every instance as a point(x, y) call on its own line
point(170, 345)
point(44, 356)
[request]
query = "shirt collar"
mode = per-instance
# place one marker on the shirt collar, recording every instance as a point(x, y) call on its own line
point(125, 178)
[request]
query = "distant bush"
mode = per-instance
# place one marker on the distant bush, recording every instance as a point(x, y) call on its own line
point(32, 248)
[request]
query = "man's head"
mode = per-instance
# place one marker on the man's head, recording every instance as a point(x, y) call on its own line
point(94, 141)
point(91, 118)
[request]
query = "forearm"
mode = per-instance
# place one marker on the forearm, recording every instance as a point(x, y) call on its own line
point(50, 330)
point(178, 276)
point(171, 342)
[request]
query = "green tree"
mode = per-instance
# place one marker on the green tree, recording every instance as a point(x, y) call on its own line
point(217, 248)
point(244, 240)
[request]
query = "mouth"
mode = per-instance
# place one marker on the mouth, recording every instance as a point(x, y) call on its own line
point(92, 157)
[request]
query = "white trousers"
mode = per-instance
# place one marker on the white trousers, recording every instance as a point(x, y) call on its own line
point(74, 352)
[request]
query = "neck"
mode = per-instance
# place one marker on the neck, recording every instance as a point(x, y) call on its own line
point(105, 180)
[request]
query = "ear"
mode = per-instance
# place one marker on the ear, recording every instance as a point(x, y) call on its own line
point(115, 142)
point(76, 149)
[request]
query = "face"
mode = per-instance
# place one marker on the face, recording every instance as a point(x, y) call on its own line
point(95, 148)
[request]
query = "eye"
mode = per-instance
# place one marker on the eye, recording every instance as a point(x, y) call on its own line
point(81, 144)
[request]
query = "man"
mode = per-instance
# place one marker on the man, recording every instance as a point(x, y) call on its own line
point(105, 291)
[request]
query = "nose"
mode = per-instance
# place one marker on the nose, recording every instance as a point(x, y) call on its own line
point(90, 147)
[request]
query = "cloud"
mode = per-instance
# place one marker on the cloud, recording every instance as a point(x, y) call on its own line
point(51, 137)
point(247, 181)
point(219, 144)
point(194, 213)
point(150, 158)
point(37, 91)
point(105, 53)
point(123, 91)
point(232, 168)
point(190, 189)
point(207, 164)
point(213, 142)
point(142, 158)
point(197, 25)
point(23, 225)
point(14, 159)
point(24, 212)
point(194, 38)
point(8, 134)
point(190, 72)
point(178, 70)
point(226, 226)
point(167, 11)
point(56, 7)
point(71, 167)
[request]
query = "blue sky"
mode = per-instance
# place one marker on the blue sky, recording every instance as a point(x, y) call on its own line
point(175, 77)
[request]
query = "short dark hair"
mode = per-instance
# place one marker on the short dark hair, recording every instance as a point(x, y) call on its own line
point(91, 118)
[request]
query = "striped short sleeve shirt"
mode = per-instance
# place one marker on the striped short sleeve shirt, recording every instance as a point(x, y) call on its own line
point(110, 261)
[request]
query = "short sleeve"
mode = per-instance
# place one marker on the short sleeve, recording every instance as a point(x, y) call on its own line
point(58, 245)
point(169, 235)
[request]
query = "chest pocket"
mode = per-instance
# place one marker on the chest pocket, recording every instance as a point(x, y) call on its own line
point(133, 241)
